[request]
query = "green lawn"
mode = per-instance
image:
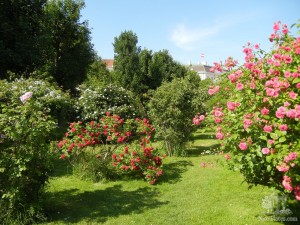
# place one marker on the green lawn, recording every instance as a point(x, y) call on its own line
point(187, 193)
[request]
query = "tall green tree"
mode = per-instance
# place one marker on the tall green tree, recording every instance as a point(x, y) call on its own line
point(145, 62)
point(20, 36)
point(165, 68)
point(70, 51)
point(126, 65)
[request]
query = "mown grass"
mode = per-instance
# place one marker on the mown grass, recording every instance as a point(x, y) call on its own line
point(188, 193)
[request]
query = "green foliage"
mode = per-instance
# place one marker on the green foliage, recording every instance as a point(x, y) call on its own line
point(97, 75)
point(141, 70)
point(20, 36)
point(69, 39)
point(171, 109)
point(126, 65)
point(25, 130)
point(94, 102)
point(46, 36)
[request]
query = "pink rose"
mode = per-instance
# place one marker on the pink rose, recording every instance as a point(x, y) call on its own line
point(240, 86)
point(243, 146)
point(227, 157)
point(283, 167)
point(283, 127)
point(265, 151)
point(292, 95)
point(297, 192)
point(264, 111)
point(268, 128)
point(280, 113)
point(219, 135)
point(287, 185)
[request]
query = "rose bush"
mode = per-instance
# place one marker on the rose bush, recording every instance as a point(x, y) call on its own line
point(259, 124)
point(47, 95)
point(25, 134)
point(112, 141)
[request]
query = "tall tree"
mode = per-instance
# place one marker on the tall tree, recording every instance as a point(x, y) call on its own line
point(71, 51)
point(20, 35)
point(126, 65)
point(164, 68)
point(145, 62)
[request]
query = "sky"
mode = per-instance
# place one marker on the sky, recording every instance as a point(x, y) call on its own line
point(188, 28)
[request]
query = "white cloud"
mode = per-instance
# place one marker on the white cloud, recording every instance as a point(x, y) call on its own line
point(187, 38)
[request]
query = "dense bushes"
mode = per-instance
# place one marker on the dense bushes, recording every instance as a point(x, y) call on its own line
point(111, 146)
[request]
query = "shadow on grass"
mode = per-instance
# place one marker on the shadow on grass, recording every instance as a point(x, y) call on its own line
point(198, 150)
point(173, 171)
point(294, 206)
point(99, 205)
point(61, 168)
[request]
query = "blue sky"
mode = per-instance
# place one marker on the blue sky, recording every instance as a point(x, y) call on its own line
point(188, 28)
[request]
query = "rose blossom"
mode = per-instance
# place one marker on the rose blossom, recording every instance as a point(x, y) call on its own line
point(265, 151)
point(287, 183)
point(219, 135)
point(280, 112)
point(227, 157)
point(297, 192)
point(243, 146)
point(283, 127)
point(271, 142)
point(240, 86)
point(290, 157)
point(268, 128)
point(264, 111)
point(292, 95)
point(283, 167)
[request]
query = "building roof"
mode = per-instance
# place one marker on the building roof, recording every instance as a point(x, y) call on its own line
point(109, 63)
point(201, 68)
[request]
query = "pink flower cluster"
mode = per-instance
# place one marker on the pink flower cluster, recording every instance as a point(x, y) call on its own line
point(219, 134)
point(233, 77)
point(287, 183)
point(198, 119)
point(218, 114)
point(216, 67)
point(233, 105)
point(213, 90)
point(283, 111)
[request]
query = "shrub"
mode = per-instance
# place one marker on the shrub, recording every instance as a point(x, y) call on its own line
point(259, 126)
point(46, 94)
point(171, 108)
point(25, 131)
point(94, 102)
point(119, 145)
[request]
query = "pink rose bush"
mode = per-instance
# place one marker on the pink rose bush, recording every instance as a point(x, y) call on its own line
point(262, 113)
